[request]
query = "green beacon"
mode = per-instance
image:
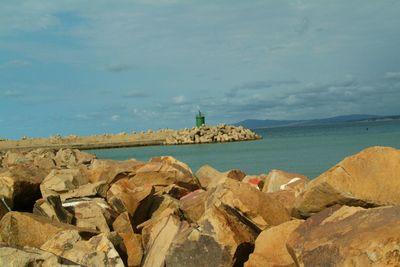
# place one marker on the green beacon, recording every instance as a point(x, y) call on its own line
point(200, 120)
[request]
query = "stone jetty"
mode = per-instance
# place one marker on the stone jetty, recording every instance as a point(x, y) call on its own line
point(203, 134)
point(67, 208)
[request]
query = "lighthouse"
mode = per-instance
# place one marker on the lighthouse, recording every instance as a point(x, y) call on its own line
point(200, 120)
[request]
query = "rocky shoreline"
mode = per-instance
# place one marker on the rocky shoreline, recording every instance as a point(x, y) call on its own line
point(67, 208)
point(203, 134)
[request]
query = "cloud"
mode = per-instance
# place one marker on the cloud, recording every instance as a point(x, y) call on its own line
point(12, 93)
point(119, 68)
point(180, 100)
point(16, 63)
point(115, 117)
point(135, 94)
point(257, 85)
point(392, 75)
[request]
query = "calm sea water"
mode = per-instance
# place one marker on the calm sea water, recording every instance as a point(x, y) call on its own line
point(309, 150)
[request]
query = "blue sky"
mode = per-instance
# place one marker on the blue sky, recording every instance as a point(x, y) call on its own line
point(92, 67)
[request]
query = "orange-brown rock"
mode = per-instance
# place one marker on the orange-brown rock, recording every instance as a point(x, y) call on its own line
point(286, 197)
point(369, 178)
point(235, 174)
point(51, 207)
point(193, 205)
point(20, 186)
point(210, 177)
point(72, 158)
point(133, 248)
point(280, 180)
point(157, 239)
point(111, 171)
point(125, 196)
point(26, 229)
point(348, 236)
point(257, 207)
point(123, 224)
point(270, 247)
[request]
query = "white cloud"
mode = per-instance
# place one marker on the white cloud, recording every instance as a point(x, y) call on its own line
point(392, 75)
point(115, 117)
point(16, 63)
point(179, 100)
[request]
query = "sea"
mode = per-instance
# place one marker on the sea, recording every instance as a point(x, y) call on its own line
point(308, 150)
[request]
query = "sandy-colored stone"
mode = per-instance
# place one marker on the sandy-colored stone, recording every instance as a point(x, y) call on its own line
point(281, 180)
point(369, 178)
point(52, 208)
point(133, 248)
point(25, 229)
point(270, 246)
point(111, 171)
point(123, 224)
point(348, 236)
point(235, 174)
point(255, 181)
point(72, 158)
point(193, 205)
point(209, 177)
point(257, 207)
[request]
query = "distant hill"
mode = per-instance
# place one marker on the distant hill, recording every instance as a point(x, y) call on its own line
point(255, 124)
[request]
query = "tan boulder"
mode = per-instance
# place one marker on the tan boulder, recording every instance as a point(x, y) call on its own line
point(123, 224)
point(12, 158)
point(161, 203)
point(72, 158)
point(235, 174)
point(348, 236)
point(26, 229)
point(133, 248)
point(97, 251)
point(280, 180)
point(270, 247)
point(174, 191)
point(369, 178)
point(20, 186)
point(124, 196)
point(34, 257)
point(209, 177)
point(286, 197)
point(157, 239)
point(98, 189)
point(62, 181)
point(193, 205)
point(52, 208)
point(254, 181)
point(111, 171)
point(257, 207)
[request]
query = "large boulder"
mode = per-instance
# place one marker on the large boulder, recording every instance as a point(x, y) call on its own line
point(52, 208)
point(277, 180)
point(348, 236)
point(209, 177)
point(97, 251)
point(193, 205)
point(72, 158)
point(10, 257)
point(20, 186)
point(157, 239)
point(367, 179)
point(253, 205)
point(124, 196)
point(26, 229)
point(111, 171)
point(270, 247)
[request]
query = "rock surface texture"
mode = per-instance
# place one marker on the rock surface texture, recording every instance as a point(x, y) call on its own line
point(67, 208)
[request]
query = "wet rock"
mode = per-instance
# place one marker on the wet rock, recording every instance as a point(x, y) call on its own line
point(210, 177)
point(97, 251)
point(111, 171)
point(62, 181)
point(52, 208)
point(34, 257)
point(367, 179)
point(123, 196)
point(270, 247)
point(193, 205)
point(26, 229)
point(157, 239)
point(348, 236)
point(280, 180)
point(19, 186)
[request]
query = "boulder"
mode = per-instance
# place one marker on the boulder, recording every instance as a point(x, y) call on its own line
point(26, 229)
point(34, 257)
point(97, 251)
point(157, 239)
point(193, 205)
point(286, 197)
point(210, 177)
point(368, 179)
point(72, 158)
point(123, 224)
point(280, 180)
point(174, 191)
point(12, 158)
point(254, 181)
point(249, 203)
point(20, 186)
point(348, 236)
point(52, 208)
point(124, 196)
point(235, 174)
point(133, 248)
point(98, 189)
point(62, 181)
point(161, 203)
point(111, 171)
point(270, 247)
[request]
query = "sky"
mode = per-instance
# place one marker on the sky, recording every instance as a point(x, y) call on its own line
point(94, 67)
